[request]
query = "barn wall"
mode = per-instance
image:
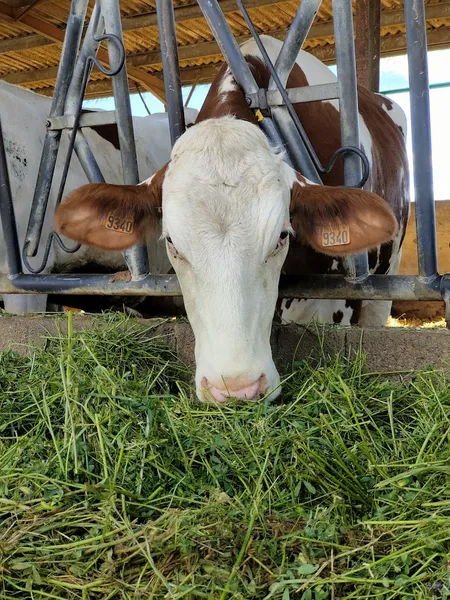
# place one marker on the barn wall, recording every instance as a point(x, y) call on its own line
point(409, 264)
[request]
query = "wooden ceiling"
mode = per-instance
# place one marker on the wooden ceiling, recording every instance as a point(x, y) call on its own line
point(31, 35)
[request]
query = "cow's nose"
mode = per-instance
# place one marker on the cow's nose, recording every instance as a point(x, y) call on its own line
point(223, 394)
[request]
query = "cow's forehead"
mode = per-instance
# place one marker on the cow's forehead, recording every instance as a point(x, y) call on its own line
point(223, 150)
point(224, 130)
point(226, 178)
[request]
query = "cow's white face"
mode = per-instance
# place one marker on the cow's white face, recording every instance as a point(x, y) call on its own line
point(226, 223)
point(228, 204)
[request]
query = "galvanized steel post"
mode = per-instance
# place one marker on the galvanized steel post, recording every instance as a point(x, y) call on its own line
point(357, 268)
point(7, 215)
point(171, 69)
point(71, 43)
point(416, 37)
point(136, 257)
point(295, 38)
point(88, 49)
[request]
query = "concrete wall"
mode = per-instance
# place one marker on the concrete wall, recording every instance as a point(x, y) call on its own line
point(387, 349)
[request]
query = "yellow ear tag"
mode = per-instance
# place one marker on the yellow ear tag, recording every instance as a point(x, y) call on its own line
point(336, 236)
point(119, 225)
point(259, 115)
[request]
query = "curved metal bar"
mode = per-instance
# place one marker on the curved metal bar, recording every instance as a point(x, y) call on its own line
point(90, 60)
point(53, 236)
point(115, 39)
point(345, 150)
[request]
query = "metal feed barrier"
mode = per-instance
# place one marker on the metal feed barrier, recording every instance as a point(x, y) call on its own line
point(270, 106)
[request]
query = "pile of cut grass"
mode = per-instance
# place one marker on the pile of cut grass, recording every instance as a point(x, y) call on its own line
point(116, 483)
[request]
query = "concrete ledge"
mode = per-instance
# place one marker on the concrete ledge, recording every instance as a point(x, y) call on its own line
point(387, 349)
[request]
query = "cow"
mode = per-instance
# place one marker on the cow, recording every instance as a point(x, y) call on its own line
point(233, 215)
point(24, 115)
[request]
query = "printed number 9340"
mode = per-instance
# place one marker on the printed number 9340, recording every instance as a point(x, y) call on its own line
point(335, 238)
point(119, 225)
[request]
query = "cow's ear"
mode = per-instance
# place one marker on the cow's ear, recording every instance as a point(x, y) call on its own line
point(340, 221)
point(112, 217)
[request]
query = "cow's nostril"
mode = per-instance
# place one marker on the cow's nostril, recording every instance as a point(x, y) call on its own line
point(224, 393)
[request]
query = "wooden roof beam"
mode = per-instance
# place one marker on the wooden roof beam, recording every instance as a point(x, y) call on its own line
point(183, 13)
point(103, 87)
point(28, 42)
point(367, 43)
point(18, 3)
point(389, 18)
point(389, 45)
point(186, 13)
point(148, 81)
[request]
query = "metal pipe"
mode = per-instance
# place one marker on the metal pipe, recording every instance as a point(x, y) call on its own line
point(294, 145)
point(87, 159)
point(284, 117)
point(357, 268)
point(136, 257)
point(298, 143)
point(113, 25)
point(49, 154)
point(228, 45)
point(89, 49)
point(273, 135)
point(375, 287)
point(7, 215)
point(299, 95)
point(416, 38)
point(171, 69)
point(238, 65)
point(295, 38)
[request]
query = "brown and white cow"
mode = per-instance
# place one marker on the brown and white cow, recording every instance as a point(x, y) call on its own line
point(227, 205)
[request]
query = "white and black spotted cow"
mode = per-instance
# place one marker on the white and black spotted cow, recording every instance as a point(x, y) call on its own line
point(235, 215)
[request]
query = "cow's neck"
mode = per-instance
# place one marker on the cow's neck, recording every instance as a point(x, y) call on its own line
point(222, 100)
point(226, 98)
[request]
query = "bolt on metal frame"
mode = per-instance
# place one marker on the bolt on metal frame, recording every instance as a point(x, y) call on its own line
point(273, 103)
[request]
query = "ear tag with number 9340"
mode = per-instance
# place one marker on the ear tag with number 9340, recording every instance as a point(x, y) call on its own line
point(118, 224)
point(336, 236)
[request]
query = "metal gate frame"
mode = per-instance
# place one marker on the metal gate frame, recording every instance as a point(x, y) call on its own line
point(270, 106)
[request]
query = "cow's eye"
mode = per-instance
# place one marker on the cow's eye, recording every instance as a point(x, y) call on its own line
point(172, 248)
point(282, 241)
